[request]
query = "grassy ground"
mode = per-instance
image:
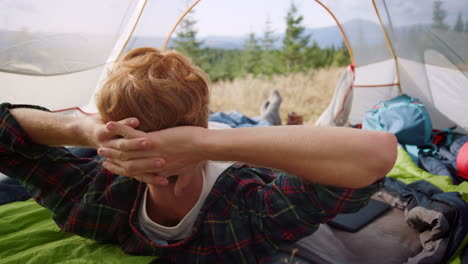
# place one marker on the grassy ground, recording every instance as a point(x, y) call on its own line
point(307, 94)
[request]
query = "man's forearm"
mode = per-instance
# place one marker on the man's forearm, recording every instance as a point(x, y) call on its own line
point(52, 129)
point(337, 156)
point(343, 157)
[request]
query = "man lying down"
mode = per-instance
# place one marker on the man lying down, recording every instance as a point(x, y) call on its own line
point(166, 189)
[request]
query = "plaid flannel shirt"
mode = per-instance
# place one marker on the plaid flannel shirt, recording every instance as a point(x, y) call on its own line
point(248, 215)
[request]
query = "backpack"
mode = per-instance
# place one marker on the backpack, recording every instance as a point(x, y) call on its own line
point(403, 116)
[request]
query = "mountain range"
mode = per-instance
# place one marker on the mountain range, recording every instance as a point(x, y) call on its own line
point(324, 36)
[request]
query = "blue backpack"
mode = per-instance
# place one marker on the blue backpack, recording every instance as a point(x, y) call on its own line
point(403, 116)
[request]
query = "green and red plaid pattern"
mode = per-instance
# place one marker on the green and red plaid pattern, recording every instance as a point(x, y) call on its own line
point(250, 213)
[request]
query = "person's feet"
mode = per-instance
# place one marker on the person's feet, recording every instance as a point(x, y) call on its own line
point(269, 110)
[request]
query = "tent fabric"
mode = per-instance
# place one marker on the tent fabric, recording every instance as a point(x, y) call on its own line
point(59, 62)
point(55, 45)
point(337, 112)
point(444, 92)
point(431, 58)
point(54, 92)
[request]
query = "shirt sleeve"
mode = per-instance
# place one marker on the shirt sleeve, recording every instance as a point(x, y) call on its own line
point(291, 209)
point(56, 178)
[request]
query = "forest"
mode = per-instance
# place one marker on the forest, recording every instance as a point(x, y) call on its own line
point(259, 56)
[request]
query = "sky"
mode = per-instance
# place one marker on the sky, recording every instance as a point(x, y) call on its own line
point(214, 17)
point(242, 16)
point(230, 17)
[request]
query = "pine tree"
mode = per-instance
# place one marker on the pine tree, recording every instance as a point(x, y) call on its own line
point(459, 25)
point(438, 16)
point(314, 56)
point(341, 56)
point(186, 40)
point(295, 41)
point(329, 55)
point(223, 64)
point(269, 64)
point(252, 55)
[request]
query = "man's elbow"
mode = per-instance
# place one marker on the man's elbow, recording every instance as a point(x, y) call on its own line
point(382, 155)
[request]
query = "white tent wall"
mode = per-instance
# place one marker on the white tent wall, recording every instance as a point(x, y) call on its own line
point(54, 92)
point(127, 30)
point(438, 88)
point(439, 94)
point(431, 62)
point(54, 53)
point(415, 81)
point(449, 88)
point(366, 90)
point(376, 74)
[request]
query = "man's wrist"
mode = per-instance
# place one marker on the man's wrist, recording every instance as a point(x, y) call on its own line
point(203, 143)
point(82, 131)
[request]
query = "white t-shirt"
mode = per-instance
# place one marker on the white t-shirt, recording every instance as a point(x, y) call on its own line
point(159, 233)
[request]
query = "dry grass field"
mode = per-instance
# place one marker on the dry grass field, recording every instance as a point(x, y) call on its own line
point(307, 94)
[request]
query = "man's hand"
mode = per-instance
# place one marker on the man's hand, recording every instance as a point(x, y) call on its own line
point(55, 129)
point(155, 156)
point(97, 133)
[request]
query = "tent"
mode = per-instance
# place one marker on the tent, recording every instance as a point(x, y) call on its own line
point(396, 46)
point(413, 56)
point(414, 47)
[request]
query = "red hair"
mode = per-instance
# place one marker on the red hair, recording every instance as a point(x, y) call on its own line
point(162, 89)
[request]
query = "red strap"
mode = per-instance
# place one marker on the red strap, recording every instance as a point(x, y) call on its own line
point(438, 138)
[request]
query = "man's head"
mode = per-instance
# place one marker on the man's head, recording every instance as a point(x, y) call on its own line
point(162, 89)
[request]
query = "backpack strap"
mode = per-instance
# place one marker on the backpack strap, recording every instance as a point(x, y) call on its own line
point(445, 135)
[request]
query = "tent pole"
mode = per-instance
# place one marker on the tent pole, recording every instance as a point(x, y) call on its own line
point(343, 34)
point(117, 51)
point(178, 22)
point(389, 45)
point(388, 15)
point(133, 28)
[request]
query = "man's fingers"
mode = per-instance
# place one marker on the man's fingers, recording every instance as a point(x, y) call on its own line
point(118, 155)
point(137, 166)
point(124, 130)
point(131, 122)
point(153, 179)
point(150, 178)
point(111, 153)
point(124, 144)
point(114, 168)
point(103, 134)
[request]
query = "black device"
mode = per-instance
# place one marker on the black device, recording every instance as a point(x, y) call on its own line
point(354, 222)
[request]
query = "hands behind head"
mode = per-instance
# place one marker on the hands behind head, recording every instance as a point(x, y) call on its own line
point(150, 157)
point(97, 132)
